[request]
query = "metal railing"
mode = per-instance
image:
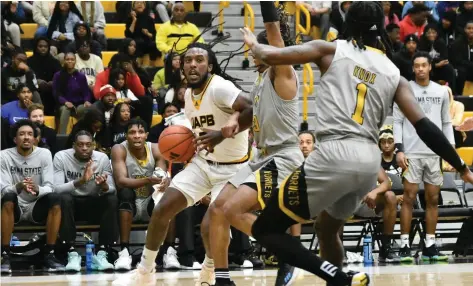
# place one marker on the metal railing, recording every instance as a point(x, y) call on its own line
point(307, 89)
point(221, 6)
point(248, 21)
point(299, 28)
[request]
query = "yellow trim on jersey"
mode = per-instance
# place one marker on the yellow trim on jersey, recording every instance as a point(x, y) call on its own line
point(143, 162)
point(283, 208)
point(241, 160)
point(197, 102)
point(374, 50)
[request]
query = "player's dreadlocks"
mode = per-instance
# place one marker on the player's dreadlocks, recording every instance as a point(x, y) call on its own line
point(365, 26)
point(284, 28)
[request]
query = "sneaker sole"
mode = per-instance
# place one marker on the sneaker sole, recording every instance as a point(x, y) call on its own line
point(407, 259)
point(435, 258)
point(190, 268)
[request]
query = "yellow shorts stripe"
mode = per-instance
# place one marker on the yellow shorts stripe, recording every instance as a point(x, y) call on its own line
point(283, 208)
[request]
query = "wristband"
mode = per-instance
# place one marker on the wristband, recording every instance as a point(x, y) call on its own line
point(269, 12)
point(399, 147)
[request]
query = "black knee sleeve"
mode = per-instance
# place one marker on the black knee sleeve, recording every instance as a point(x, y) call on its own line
point(10, 197)
point(126, 199)
point(256, 229)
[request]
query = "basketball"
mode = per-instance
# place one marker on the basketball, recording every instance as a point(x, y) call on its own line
point(175, 143)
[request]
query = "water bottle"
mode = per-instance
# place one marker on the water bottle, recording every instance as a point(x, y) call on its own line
point(14, 241)
point(155, 106)
point(367, 249)
point(89, 253)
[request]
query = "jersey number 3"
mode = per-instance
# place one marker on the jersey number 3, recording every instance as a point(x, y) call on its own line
point(362, 91)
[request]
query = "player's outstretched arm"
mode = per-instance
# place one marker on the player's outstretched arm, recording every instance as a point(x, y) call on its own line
point(428, 132)
point(241, 119)
point(312, 51)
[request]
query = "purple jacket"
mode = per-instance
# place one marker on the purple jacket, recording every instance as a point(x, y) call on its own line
point(75, 91)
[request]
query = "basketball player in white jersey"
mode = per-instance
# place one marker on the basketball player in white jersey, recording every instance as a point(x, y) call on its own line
point(209, 104)
point(358, 87)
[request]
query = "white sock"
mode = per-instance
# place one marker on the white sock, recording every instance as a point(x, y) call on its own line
point(429, 240)
point(404, 240)
point(209, 262)
point(147, 259)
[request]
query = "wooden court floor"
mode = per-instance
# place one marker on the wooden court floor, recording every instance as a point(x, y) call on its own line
point(412, 275)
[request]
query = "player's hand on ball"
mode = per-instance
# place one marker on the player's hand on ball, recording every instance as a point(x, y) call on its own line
point(230, 129)
point(248, 37)
point(209, 140)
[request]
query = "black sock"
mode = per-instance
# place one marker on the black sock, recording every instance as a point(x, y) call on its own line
point(6, 249)
point(386, 239)
point(298, 237)
point(222, 274)
point(49, 248)
point(125, 245)
point(290, 250)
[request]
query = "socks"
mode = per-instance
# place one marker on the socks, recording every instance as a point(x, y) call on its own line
point(404, 240)
point(222, 274)
point(49, 248)
point(209, 262)
point(147, 259)
point(386, 239)
point(429, 240)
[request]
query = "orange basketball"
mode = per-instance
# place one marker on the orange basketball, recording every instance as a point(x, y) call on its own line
point(175, 143)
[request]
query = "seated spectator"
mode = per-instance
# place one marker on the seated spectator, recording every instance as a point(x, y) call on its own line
point(393, 33)
point(167, 75)
point(445, 6)
point(71, 90)
point(462, 56)
point(87, 63)
point(120, 118)
point(106, 104)
point(337, 19)
point(456, 108)
point(42, 11)
point(155, 131)
point(82, 33)
point(414, 22)
point(177, 34)
point(403, 59)
point(162, 9)
point(179, 99)
point(94, 16)
point(48, 135)
point(27, 193)
point(16, 73)
point(388, 156)
point(7, 46)
point(12, 21)
point(133, 164)
point(44, 65)
point(319, 15)
point(447, 29)
point(129, 48)
point(431, 6)
point(93, 122)
point(465, 14)
point(18, 109)
point(124, 8)
point(83, 179)
point(306, 142)
point(62, 22)
point(389, 16)
point(140, 27)
point(132, 79)
point(432, 44)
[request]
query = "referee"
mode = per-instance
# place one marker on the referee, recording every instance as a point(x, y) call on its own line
point(419, 163)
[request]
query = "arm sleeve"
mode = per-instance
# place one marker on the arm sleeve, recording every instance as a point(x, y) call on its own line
point(48, 172)
point(134, 84)
point(447, 126)
point(6, 183)
point(225, 93)
point(108, 170)
point(161, 40)
point(397, 124)
point(60, 185)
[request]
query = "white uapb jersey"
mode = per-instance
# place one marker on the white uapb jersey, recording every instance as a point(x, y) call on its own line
point(275, 120)
point(356, 93)
point(211, 109)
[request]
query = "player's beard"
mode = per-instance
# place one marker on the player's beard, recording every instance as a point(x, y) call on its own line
point(199, 83)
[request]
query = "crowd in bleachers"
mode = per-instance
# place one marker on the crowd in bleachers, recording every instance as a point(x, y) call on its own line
point(64, 87)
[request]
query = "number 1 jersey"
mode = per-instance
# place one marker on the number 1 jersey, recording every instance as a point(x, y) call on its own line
point(356, 93)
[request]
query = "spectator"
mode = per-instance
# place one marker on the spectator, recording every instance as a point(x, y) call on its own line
point(12, 21)
point(423, 163)
point(94, 17)
point(106, 104)
point(437, 49)
point(162, 8)
point(124, 8)
point(133, 164)
point(132, 79)
point(42, 11)
point(177, 34)
point(155, 131)
point(18, 109)
point(140, 27)
point(120, 118)
point(7, 46)
point(27, 193)
point(464, 16)
point(179, 100)
point(462, 56)
point(93, 122)
point(87, 63)
point(388, 156)
point(414, 22)
point(82, 33)
point(337, 19)
point(306, 142)
point(44, 65)
point(447, 28)
point(382, 202)
point(83, 179)
point(320, 15)
point(456, 109)
point(61, 25)
point(16, 73)
point(71, 90)
point(445, 6)
point(431, 6)
point(389, 16)
point(170, 74)
point(403, 59)
point(48, 135)
point(393, 33)
point(129, 48)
